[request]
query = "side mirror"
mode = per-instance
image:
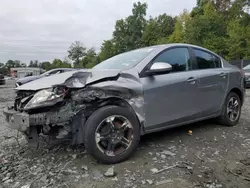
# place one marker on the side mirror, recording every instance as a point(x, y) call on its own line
point(47, 74)
point(159, 68)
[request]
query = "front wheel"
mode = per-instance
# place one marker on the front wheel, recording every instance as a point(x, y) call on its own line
point(231, 110)
point(112, 134)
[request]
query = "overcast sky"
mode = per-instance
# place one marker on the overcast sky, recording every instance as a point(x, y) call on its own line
point(44, 29)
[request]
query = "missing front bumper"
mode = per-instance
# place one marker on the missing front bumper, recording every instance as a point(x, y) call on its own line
point(59, 124)
point(16, 120)
point(21, 120)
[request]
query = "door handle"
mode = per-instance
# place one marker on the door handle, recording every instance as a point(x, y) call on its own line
point(191, 80)
point(223, 75)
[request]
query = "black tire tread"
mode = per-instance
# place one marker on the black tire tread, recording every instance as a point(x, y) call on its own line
point(223, 118)
point(90, 128)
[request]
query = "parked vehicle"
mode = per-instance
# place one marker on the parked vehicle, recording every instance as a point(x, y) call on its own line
point(27, 79)
point(8, 77)
point(2, 80)
point(109, 107)
point(246, 69)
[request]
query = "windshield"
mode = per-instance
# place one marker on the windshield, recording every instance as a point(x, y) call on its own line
point(51, 72)
point(125, 60)
point(43, 74)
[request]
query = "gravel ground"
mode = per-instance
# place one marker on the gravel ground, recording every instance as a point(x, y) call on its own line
point(211, 156)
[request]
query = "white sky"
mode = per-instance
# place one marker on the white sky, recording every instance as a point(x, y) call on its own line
point(44, 29)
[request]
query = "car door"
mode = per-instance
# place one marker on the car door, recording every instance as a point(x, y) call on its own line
point(213, 82)
point(171, 98)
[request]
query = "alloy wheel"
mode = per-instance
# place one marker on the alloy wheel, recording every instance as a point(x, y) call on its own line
point(233, 109)
point(114, 135)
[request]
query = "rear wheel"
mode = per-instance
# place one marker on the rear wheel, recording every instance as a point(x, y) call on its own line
point(231, 110)
point(112, 134)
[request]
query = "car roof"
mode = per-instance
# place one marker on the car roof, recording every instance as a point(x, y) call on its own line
point(63, 69)
point(178, 44)
point(163, 46)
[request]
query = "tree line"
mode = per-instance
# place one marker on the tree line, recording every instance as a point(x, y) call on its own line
point(222, 26)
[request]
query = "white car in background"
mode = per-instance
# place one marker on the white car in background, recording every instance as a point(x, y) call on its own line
point(27, 79)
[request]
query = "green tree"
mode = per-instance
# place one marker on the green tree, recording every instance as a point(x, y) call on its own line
point(23, 64)
point(76, 52)
point(3, 69)
point(66, 63)
point(239, 40)
point(158, 29)
point(10, 64)
point(208, 29)
point(220, 5)
point(128, 31)
point(222, 26)
point(34, 63)
point(91, 59)
point(46, 65)
point(178, 35)
point(17, 63)
point(108, 49)
point(57, 63)
point(31, 64)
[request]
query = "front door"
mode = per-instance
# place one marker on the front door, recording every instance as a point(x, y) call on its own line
point(171, 98)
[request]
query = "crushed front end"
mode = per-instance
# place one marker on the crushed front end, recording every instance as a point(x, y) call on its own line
point(44, 115)
point(49, 110)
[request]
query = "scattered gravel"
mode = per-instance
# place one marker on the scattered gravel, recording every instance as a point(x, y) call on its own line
point(213, 156)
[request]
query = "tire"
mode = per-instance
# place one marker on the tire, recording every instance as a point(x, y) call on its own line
point(224, 119)
point(94, 122)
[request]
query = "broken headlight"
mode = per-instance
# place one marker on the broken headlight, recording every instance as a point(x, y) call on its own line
point(46, 97)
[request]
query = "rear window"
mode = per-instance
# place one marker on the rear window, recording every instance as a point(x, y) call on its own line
point(206, 60)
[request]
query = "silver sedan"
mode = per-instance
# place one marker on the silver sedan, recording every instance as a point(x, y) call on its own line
point(109, 107)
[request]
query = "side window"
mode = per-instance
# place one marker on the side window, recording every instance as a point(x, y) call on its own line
point(206, 60)
point(177, 57)
point(217, 62)
point(54, 72)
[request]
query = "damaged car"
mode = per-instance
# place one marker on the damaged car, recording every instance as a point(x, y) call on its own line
point(109, 107)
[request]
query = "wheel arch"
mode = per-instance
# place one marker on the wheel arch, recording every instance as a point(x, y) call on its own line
point(239, 93)
point(118, 102)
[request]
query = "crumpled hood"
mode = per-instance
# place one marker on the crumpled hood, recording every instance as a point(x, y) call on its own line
point(27, 79)
point(71, 79)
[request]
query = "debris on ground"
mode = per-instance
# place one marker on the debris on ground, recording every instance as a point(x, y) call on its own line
point(190, 132)
point(150, 182)
point(163, 182)
point(110, 172)
point(154, 170)
point(216, 157)
point(168, 153)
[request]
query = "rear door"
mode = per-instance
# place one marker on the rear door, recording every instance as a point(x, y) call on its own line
point(213, 80)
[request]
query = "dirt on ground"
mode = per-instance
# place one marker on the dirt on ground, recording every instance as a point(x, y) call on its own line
point(197, 155)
